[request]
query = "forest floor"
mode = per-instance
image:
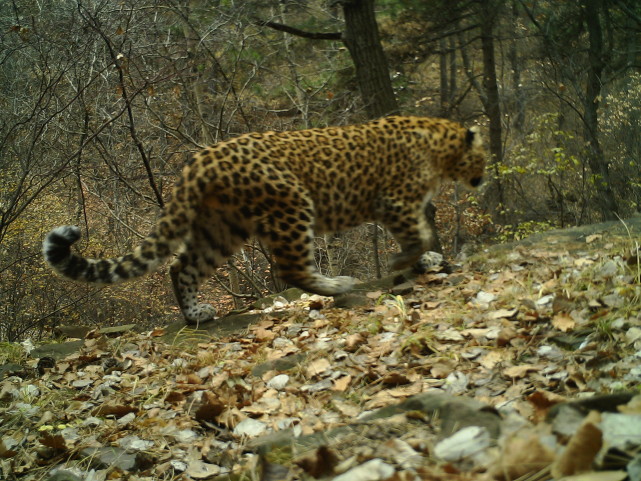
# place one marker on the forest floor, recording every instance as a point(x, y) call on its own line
point(521, 363)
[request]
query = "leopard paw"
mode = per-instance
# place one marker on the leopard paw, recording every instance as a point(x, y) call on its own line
point(331, 286)
point(200, 313)
point(427, 261)
point(403, 260)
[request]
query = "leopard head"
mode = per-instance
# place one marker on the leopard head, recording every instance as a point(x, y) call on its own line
point(470, 168)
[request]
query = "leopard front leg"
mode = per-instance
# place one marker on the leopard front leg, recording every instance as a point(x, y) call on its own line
point(411, 230)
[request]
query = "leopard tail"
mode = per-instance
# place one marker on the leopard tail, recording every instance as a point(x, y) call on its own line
point(153, 251)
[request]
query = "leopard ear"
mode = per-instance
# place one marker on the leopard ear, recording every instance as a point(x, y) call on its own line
point(473, 137)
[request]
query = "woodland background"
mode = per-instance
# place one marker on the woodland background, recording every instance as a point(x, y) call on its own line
point(102, 102)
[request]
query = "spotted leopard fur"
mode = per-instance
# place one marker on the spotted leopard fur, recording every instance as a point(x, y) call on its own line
point(286, 187)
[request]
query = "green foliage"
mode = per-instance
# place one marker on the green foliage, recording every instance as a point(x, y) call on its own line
point(620, 121)
point(545, 177)
point(11, 352)
point(395, 302)
point(544, 151)
point(428, 8)
point(508, 232)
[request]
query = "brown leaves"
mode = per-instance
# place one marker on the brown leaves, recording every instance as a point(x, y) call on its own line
point(117, 410)
point(317, 367)
point(523, 454)
point(519, 340)
point(578, 456)
point(210, 407)
point(55, 442)
point(563, 322)
point(319, 463)
point(520, 371)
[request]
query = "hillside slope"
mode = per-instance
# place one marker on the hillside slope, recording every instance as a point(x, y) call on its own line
point(465, 374)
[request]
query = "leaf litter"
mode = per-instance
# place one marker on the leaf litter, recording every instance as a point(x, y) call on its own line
point(544, 339)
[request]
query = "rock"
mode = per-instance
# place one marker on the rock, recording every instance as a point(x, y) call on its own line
point(58, 350)
point(372, 470)
point(250, 427)
point(282, 364)
point(463, 444)
point(403, 289)
point(599, 402)
point(455, 412)
point(105, 457)
point(10, 369)
point(63, 475)
point(278, 382)
point(292, 294)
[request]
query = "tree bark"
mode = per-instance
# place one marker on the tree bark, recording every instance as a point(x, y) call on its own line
point(489, 94)
point(491, 97)
point(596, 159)
point(491, 103)
point(517, 102)
point(372, 72)
point(453, 64)
point(444, 91)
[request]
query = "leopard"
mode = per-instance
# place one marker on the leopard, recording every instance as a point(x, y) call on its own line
point(284, 188)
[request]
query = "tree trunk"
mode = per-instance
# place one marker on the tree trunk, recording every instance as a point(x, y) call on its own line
point(445, 93)
point(596, 159)
point(453, 74)
point(489, 95)
point(372, 73)
point(198, 86)
point(517, 101)
point(490, 85)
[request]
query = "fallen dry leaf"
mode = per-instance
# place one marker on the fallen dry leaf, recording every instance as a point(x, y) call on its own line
point(342, 383)
point(520, 371)
point(543, 401)
point(522, 454)
point(317, 367)
point(632, 407)
point(593, 237)
point(579, 454)
point(114, 410)
point(262, 334)
point(385, 397)
point(563, 322)
point(502, 313)
point(506, 334)
point(55, 441)
point(354, 341)
point(441, 370)
point(395, 379)
point(598, 476)
point(494, 357)
point(319, 463)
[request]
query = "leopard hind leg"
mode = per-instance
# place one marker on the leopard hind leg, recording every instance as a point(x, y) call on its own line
point(202, 254)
